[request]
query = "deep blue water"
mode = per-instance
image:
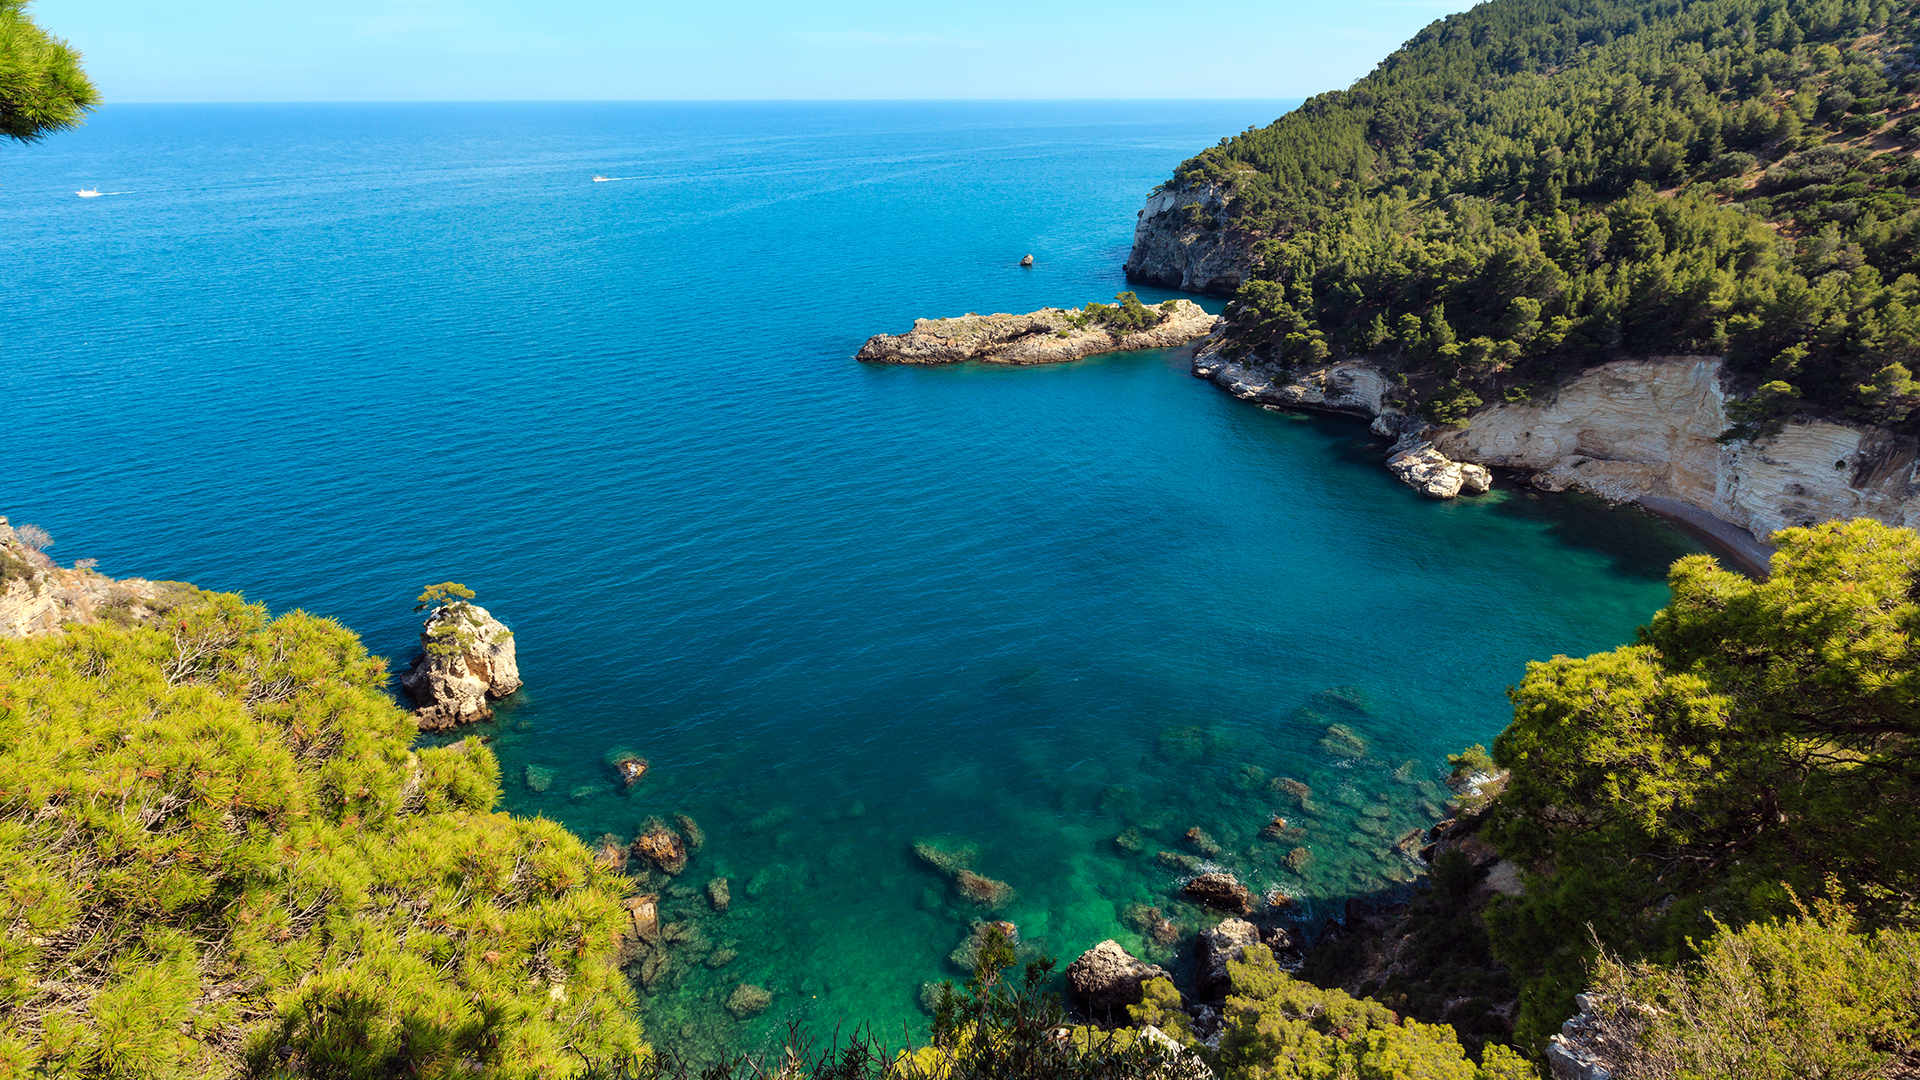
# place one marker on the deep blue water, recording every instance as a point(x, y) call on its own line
point(325, 355)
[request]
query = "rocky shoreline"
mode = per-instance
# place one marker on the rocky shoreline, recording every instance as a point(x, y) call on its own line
point(1644, 431)
point(1048, 336)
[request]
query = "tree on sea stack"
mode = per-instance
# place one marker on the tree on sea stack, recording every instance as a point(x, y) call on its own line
point(42, 86)
point(466, 659)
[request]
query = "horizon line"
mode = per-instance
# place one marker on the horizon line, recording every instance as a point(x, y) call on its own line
point(685, 101)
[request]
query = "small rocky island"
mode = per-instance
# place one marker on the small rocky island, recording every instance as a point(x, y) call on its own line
point(466, 661)
point(1047, 336)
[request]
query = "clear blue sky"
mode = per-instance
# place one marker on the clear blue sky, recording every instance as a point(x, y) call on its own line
point(340, 50)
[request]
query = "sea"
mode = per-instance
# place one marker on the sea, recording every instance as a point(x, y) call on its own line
point(1041, 622)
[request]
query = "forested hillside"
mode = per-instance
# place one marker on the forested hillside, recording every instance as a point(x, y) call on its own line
point(1535, 186)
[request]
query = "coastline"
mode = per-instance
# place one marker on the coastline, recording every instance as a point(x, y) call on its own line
point(1750, 554)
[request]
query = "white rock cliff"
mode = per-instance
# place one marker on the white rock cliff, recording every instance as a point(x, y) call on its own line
point(1644, 430)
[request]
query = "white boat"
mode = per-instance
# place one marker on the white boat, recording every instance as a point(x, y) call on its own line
point(597, 180)
point(88, 193)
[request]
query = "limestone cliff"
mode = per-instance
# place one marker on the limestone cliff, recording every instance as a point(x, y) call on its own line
point(1644, 430)
point(1181, 241)
point(38, 596)
point(1047, 336)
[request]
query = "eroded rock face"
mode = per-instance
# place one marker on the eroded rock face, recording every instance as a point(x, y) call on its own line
point(467, 661)
point(38, 596)
point(1107, 978)
point(1220, 891)
point(1047, 336)
point(1437, 476)
point(1181, 241)
point(1219, 945)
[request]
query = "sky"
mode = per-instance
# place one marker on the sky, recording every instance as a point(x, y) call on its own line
point(524, 50)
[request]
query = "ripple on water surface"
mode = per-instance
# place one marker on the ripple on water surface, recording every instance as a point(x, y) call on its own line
point(1047, 621)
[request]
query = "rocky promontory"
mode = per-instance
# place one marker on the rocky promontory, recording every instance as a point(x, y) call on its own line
point(1047, 336)
point(1181, 241)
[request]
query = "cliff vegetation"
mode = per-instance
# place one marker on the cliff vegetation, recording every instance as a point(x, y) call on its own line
point(1535, 186)
point(221, 856)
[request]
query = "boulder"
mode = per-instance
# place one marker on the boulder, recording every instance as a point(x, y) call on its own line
point(1107, 978)
point(466, 661)
point(1437, 476)
point(630, 768)
point(1028, 261)
point(643, 912)
point(1219, 945)
point(1221, 891)
point(664, 847)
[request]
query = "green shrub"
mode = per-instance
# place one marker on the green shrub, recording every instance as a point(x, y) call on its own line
point(221, 857)
point(1805, 996)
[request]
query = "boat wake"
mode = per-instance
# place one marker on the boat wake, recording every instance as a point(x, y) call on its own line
point(94, 193)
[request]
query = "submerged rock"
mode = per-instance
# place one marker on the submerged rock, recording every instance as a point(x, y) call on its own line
point(983, 890)
point(1151, 923)
point(1106, 978)
point(1221, 891)
point(719, 894)
point(466, 661)
point(748, 1000)
point(539, 778)
point(689, 828)
point(1198, 839)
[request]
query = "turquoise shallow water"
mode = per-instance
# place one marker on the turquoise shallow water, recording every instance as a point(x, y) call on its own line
point(327, 354)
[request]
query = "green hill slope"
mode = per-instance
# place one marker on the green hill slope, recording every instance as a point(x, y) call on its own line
point(1535, 186)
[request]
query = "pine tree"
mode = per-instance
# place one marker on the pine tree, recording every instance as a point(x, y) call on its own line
point(42, 86)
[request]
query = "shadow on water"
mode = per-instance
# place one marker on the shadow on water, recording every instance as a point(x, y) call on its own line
point(1640, 544)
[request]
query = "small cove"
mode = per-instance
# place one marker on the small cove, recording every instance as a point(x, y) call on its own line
point(326, 355)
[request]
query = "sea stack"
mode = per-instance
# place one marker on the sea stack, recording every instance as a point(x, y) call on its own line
point(466, 661)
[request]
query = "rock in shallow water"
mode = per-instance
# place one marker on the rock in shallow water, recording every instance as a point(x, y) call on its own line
point(467, 659)
point(1221, 891)
point(1107, 977)
point(1436, 476)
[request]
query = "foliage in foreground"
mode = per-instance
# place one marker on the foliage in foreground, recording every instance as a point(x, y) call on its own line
point(1757, 741)
point(1534, 186)
point(219, 856)
point(42, 86)
point(1802, 997)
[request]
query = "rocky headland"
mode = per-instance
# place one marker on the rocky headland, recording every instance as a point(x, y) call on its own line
point(1047, 336)
point(1181, 241)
